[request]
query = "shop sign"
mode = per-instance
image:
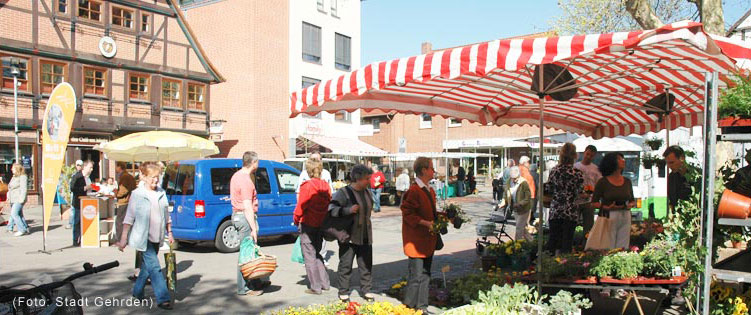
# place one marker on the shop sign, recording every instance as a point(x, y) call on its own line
point(313, 127)
point(107, 47)
point(402, 145)
point(26, 161)
point(88, 140)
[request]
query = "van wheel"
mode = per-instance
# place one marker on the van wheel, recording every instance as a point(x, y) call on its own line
point(227, 238)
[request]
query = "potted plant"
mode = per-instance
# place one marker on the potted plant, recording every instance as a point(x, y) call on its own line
point(619, 268)
point(440, 225)
point(648, 160)
point(457, 216)
point(490, 256)
point(653, 143)
point(734, 107)
point(736, 239)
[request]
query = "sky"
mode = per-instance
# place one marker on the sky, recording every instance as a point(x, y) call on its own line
point(396, 28)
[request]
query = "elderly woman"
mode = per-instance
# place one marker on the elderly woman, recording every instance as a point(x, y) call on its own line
point(418, 212)
point(402, 183)
point(614, 197)
point(355, 201)
point(565, 184)
point(147, 215)
point(518, 198)
point(17, 198)
point(312, 206)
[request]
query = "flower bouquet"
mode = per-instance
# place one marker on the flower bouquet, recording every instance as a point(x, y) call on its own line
point(440, 225)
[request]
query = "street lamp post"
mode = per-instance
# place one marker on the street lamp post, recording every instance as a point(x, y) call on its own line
point(15, 72)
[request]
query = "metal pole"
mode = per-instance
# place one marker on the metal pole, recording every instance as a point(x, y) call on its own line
point(708, 178)
point(540, 167)
point(15, 109)
point(667, 145)
point(446, 150)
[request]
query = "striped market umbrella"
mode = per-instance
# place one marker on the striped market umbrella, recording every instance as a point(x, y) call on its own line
point(609, 78)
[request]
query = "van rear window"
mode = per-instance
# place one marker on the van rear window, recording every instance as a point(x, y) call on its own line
point(220, 178)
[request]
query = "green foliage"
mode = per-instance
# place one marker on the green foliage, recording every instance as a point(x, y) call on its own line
point(736, 101)
point(522, 299)
point(660, 256)
point(508, 297)
point(571, 266)
point(566, 303)
point(620, 265)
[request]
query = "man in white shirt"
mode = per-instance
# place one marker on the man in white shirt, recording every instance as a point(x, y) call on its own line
point(325, 175)
point(591, 175)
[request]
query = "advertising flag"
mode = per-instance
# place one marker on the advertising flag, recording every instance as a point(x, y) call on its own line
point(58, 119)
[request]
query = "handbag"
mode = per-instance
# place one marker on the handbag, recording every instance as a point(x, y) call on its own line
point(339, 228)
point(171, 267)
point(253, 263)
point(599, 236)
point(297, 252)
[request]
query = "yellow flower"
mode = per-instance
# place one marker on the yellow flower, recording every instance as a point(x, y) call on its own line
point(509, 251)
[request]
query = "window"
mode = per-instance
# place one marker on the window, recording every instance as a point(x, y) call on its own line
point(139, 87)
point(343, 47)
point(7, 157)
point(319, 4)
point(94, 81)
point(287, 180)
point(185, 180)
point(195, 96)
point(263, 185)
point(220, 178)
point(453, 122)
point(311, 43)
point(23, 68)
point(62, 6)
point(343, 116)
point(122, 17)
point(90, 9)
point(170, 93)
point(376, 124)
point(145, 23)
point(426, 121)
point(52, 74)
point(308, 82)
point(334, 8)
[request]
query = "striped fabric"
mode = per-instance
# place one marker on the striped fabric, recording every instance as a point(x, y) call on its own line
point(616, 74)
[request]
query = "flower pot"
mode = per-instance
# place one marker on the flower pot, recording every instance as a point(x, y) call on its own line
point(451, 213)
point(734, 125)
point(661, 163)
point(458, 223)
point(654, 145)
point(615, 281)
point(648, 164)
point(488, 262)
point(737, 244)
point(733, 205)
point(444, 230)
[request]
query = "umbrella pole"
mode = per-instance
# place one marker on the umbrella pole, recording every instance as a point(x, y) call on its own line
point(540, 168)
point(667, 145)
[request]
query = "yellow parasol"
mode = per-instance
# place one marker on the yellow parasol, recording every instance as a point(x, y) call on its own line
point(158, 146)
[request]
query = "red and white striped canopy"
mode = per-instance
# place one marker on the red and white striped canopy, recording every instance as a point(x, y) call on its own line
point(616, 74)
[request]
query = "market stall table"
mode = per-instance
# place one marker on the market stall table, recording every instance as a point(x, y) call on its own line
point(631, 289)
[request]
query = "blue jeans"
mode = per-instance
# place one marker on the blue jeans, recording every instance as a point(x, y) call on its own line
point(460, 188)
point(72, 217)
point(243, 229)
point(16, 218)
point(76, 218)
point(376, 199)
point(150, 269)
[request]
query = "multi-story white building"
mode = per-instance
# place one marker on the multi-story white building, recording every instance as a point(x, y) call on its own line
point(324, 43)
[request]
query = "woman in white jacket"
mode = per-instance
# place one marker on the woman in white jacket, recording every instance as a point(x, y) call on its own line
point(17, 198)
point(402, 184)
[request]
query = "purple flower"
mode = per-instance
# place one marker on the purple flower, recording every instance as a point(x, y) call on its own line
point(586, 264)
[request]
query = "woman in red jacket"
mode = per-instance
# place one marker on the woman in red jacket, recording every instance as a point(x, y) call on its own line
point(419, 211)
point(312, 206)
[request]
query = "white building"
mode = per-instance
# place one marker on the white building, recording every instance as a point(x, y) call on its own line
point(741, 29)
point(324, 42)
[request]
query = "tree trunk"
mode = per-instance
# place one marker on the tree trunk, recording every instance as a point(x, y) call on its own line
point(712, 16)
point(642, 12)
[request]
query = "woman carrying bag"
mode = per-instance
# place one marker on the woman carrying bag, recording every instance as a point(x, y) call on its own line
point(312, 206)
point(614, 197)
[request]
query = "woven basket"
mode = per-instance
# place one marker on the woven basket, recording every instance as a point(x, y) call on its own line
point(260, 267)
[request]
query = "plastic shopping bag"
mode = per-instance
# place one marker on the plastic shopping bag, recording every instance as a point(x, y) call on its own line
point(599, 236)
point(297, 252)
point(248, 250)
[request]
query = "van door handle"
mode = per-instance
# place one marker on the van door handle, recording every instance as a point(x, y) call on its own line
point(275, 203)
point(287, 203)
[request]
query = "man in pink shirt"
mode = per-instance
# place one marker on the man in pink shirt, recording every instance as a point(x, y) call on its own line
point(244, 199)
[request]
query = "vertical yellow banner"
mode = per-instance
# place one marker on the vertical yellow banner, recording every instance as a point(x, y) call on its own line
point(58, 119)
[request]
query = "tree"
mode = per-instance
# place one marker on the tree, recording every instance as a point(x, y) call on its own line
point(604, 16)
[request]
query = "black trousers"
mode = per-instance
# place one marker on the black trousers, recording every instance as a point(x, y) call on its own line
point(347, 254)
point(561, 235)
point(418, 283)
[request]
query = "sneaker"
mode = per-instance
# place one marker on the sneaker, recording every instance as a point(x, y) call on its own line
point(344, 298)
point(165, 306)
point(369, 297)
point(19, 233)
point(253, 293)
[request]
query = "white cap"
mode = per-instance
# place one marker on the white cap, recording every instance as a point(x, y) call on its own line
point(79, 162)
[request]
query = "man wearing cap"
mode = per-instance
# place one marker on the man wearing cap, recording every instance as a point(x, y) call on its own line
point(71, 219)
point(591, 176)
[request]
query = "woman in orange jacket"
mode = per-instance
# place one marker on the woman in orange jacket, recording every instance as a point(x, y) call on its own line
point(418, 212)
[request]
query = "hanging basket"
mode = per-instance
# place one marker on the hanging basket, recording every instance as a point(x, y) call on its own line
point(648, 163)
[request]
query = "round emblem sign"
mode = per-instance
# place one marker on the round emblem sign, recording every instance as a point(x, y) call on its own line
point(107, 47)
point(89, 212)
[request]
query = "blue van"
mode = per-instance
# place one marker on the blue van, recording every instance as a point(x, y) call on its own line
point(200, 208)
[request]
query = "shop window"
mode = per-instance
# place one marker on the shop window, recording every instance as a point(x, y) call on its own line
point(145, 23)
point(343, 116)
point(90, 9)
point(8, 156)
point(61, 6)
point(311, 43)
point(308, 82)
point(453, 122)
point(343, 48)
point(122, 17)
point(94, 81)
point(7, 63)
point(426, 121)
point(376, 124)
point(171, 93)
point(195, 96)
point(51, 74)
point(139, 87)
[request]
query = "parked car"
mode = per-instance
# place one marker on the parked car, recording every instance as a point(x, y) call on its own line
point(198, 192)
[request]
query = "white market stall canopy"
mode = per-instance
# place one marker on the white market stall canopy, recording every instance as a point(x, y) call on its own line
point(345, 146)
point(438, 155)
point(607, 145)
point(493, 143)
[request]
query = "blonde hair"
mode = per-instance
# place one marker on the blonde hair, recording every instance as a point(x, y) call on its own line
point(18, 169)
point(314, 168)
point(567, 154)
point(150, 168)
